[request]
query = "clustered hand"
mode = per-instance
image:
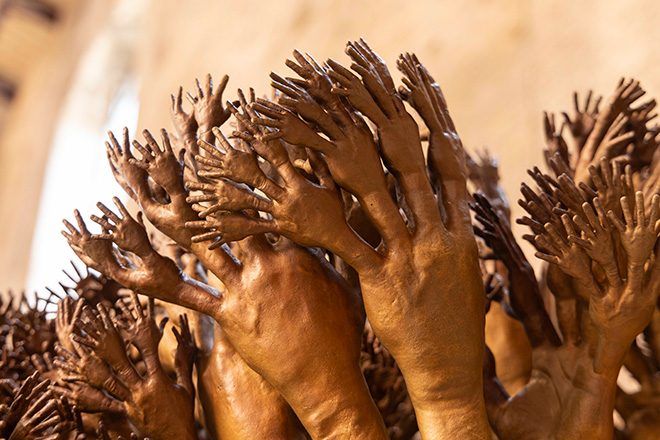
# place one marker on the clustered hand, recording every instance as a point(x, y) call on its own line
point(326, 273)
point(595, 223)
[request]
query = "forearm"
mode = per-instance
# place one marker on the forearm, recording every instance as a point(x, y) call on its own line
point(238, 402)
point(115, 388)
point(590, 415)
point(461, 416)
point(444, 375)
point(610, 353)
point(184, 373)
point(191, 294)
point(206, 135)
point(190, 143)
point(164, 280)
point(332, 412)
point(527, 303)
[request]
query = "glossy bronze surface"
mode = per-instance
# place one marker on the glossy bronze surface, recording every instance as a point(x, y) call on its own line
point(333, 265)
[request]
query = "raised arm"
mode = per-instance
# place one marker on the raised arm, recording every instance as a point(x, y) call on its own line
point(596, 145)
point(209, 108)
point(168, 214)
point(184, 123)
point(144, 332)
point(399, 141)
point(584, 118)
point(309, 213)
point(157, 276)
point(446, 157)
point(524, 295)
point(184, 357)
point(352, 155)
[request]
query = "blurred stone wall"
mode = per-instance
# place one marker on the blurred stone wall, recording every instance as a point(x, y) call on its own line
point(500, 63)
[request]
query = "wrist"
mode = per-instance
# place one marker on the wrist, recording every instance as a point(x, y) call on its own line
point(189, 137)
point(412, 172)
point(206, 133)
point(609, 356)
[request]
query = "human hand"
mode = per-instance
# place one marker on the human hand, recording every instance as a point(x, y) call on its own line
point(485, 176)
point(185, 123)
point(161, 165)
point(40, 416)
point(209, 110)
point(556, 248)
point(584, 119)
point(287, 206)
point(64, 320)
point(82, 365)
point(90, 399)
point(609, 137)
point(29, 390)
point(97, 254)
point(524, 294)
point(184, 357)
point(610, 184)
point(130, 177)
point(554, 139)
point(102, 337)
point(142, 328)
point(596, 239)
point(127, 233)
point(639, 234)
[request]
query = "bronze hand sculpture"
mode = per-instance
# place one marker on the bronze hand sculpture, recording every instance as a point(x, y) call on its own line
point(322, 277)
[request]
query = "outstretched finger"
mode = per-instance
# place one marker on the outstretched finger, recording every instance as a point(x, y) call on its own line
point(222, 86)
point(111, 215)
point(122, 209)
point(199, 186)
point(639, 208)
point(146, 155)
point(137, 306)
point(103, 222)
point(116, 148)
point(81, 223)
point(614, 219)
point(151, 144)
point(627, 212)
point(200, 92)
point(72, 229)
point(165, 137)
point(206, 236)
point(105, 316)
point(81, 340)
point(654, 213)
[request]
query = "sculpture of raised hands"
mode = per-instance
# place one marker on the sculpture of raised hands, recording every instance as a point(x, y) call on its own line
point(148, 401)
point(583, 120)
point(327, 205)
point(327, 301)
point(609, 136)
point(433, 231)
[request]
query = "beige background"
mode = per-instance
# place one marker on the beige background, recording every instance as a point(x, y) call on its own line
point(500, 63)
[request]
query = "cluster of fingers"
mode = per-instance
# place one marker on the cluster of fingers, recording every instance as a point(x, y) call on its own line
point(375, 210)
